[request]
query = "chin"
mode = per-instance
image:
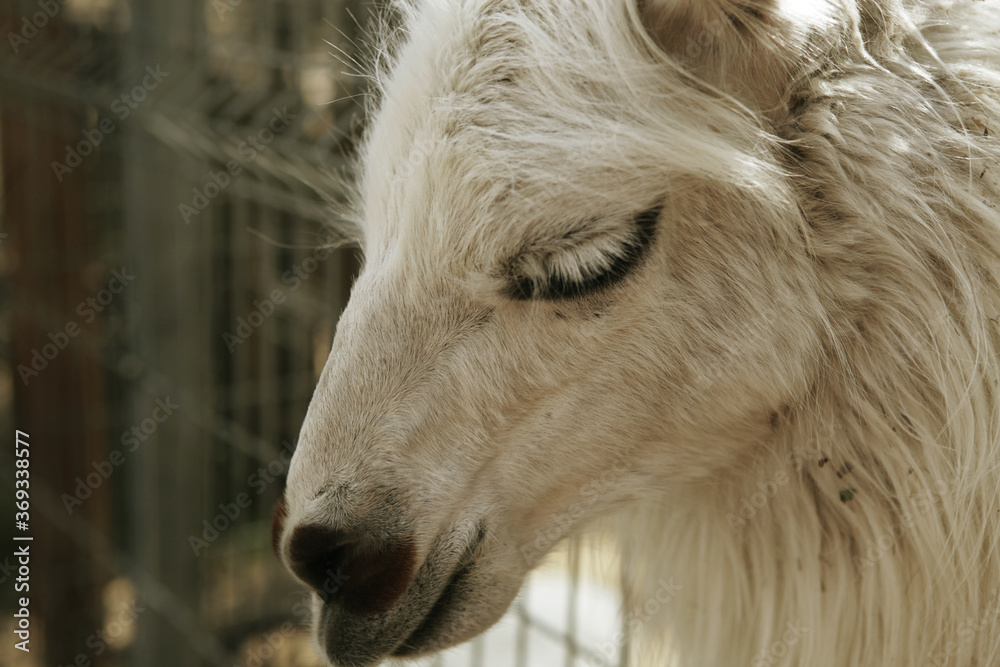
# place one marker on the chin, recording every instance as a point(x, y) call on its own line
point(443, 606)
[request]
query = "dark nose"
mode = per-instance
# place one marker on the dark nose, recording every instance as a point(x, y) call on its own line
point(349, 570)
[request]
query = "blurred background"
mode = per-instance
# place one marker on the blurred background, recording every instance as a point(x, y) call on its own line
point(167, 300)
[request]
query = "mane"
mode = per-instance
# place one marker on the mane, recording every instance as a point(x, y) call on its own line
point(866, 531)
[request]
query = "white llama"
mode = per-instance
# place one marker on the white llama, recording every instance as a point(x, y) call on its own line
point(727, 271)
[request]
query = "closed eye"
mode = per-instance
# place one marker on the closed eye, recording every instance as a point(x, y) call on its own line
point(579, 265)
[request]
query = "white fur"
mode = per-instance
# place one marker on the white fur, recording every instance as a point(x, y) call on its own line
point(791, 405)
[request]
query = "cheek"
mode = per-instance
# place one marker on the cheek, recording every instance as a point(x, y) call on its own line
point(569, 447)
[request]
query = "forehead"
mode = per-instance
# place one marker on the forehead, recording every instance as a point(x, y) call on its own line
point(495, 123)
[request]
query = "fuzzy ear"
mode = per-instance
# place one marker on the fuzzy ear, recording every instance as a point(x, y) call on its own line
point(749, 48)
point(686, 28)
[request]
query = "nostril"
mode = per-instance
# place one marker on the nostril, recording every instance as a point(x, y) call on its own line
point(318, 555)
point(366, 580)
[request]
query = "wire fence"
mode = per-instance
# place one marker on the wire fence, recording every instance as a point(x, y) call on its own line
point(167, 304)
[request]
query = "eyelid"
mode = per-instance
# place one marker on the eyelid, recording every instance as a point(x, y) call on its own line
point(556, 287)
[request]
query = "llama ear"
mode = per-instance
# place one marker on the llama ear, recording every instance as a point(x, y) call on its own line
point(689, 29)
point(749, 48)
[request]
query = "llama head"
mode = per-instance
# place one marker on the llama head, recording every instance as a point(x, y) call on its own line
point(585, 283)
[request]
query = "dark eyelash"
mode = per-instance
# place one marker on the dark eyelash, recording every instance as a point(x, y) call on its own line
point(556, 287)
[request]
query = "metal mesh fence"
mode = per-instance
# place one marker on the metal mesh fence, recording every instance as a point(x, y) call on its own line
point(167, 305)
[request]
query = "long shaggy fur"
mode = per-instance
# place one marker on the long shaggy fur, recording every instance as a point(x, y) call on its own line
point(883, 547)
point(814, 441)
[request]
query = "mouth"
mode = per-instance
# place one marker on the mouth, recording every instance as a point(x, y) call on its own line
point(425, 637)
point(430, 615)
